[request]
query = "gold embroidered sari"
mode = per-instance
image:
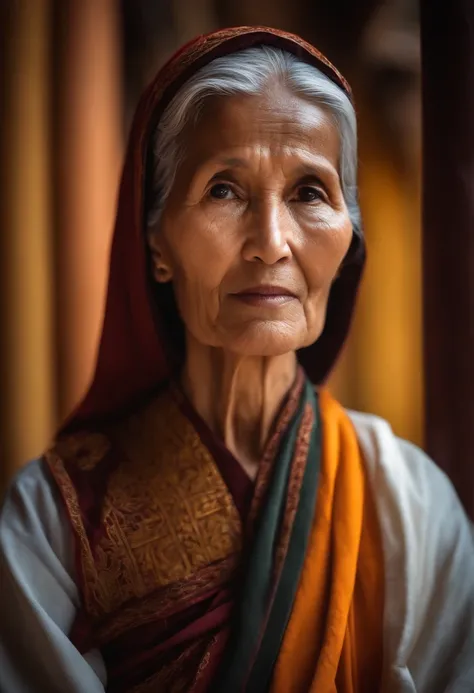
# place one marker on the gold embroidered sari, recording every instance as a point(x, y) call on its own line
point(192, 583)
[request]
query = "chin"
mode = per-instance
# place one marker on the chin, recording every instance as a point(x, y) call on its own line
point(268, 340)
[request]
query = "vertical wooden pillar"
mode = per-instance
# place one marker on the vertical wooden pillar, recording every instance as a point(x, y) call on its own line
point(447, 36)
point(27, 412)
point(88, 150)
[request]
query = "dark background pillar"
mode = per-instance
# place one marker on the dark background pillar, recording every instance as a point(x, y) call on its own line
point(447, 40)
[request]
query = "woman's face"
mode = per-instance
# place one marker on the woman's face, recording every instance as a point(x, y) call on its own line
point(256, 226)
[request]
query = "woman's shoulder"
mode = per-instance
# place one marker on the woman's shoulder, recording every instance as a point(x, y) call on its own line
point(429, 555)
point(421, 516)
point(32, 484)
point(31, 487)
point(32, 513)
point(31, 476)
point(413, 474)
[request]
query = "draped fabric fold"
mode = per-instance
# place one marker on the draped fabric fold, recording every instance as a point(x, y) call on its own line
point(276, 555)
point(343, 563)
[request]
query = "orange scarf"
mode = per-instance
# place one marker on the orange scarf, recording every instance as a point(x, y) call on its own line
point(333, 642)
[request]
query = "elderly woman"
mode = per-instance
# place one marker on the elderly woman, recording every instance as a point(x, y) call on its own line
point(210, 519)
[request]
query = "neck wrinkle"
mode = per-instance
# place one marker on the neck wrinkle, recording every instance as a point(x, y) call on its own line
point(238, 396)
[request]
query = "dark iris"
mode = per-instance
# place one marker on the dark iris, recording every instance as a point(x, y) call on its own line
point(308, 194)
point(219, 191)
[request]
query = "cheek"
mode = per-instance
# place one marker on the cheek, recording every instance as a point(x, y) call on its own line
point(199, 254)
point(324, 249)
point(321, 258)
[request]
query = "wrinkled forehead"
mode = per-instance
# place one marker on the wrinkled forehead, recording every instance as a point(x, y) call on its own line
point(242, 131)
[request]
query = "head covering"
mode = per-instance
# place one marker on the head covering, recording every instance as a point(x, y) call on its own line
point(137, 340)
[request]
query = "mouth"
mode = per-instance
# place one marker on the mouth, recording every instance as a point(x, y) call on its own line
point(265, 295)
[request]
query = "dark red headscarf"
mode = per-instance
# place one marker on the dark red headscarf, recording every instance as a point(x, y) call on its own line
point(136, 343)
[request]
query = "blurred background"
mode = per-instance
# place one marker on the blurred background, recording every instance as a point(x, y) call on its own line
point(73, 71)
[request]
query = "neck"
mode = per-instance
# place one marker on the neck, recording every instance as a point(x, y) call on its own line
point(238, 396)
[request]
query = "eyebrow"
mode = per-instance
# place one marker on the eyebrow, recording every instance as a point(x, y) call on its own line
point(309, 170)
point(305, 170)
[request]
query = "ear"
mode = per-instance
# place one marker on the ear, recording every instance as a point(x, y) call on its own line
point(162, 270)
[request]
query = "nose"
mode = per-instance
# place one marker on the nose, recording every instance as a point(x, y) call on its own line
point(268, 233)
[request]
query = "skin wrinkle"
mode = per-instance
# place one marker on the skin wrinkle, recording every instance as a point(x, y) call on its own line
point(268, 151)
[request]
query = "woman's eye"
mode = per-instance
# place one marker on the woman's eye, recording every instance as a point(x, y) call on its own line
point(221, 191)
point(307, 193)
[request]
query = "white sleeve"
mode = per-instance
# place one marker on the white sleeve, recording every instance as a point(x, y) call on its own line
point(441, 644)
point(429, 562)
point(38, 594)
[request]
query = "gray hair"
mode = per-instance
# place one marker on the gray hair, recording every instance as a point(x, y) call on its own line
point(249, 72)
